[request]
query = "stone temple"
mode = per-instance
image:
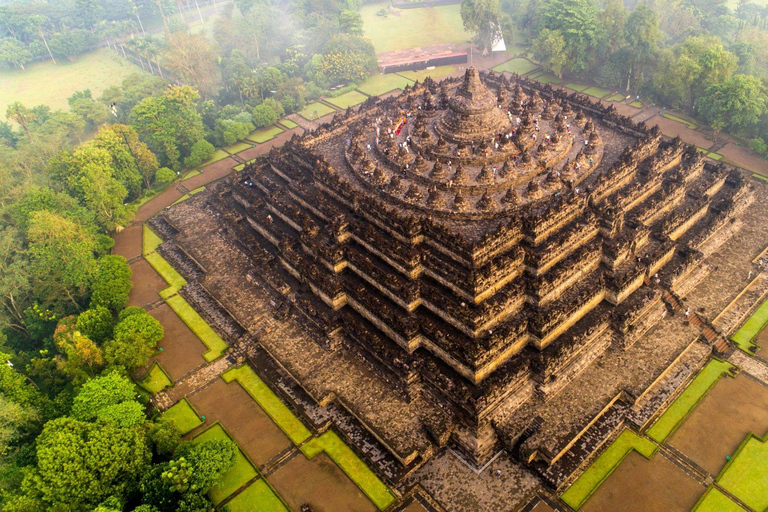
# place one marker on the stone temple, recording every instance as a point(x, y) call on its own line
point(437, 268)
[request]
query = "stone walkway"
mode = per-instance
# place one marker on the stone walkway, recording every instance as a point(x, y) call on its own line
point(755, 366)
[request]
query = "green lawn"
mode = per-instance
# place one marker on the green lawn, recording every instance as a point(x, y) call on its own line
point(548, 78)
point(715, 501)
point(190, 194)
point(191, 174)
point(267, 400)
point(616, 97)
point(709, 154)
point(356, 469)
point(264, 134)
point(636, 104)
point(257, 497)
point(684, 404)
point(436, 73)
point(746, 475)
point(410, 28)
point(288, 123)
point(238, 147)
point(680, 120)
point(760, 177)
point(220, 154)
point(578, 493)
point(242, 472)
point(379, 84)
point(519, 66)
point(166, 270)
point(744, 337)
point(49, 84)
point(150, 241)
point(596, 92)
point(184, 416)
point(348, 99)
point(315, 111)
point(238, 167)
point(196, 323)
point(156, 379)
point(576, 87)
point(534, 76)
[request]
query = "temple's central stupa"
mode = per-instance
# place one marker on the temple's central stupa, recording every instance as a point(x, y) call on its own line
point(456, 255)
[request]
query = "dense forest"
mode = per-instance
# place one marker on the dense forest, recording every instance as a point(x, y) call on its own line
point(699, 56)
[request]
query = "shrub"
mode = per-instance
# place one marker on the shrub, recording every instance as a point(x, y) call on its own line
point(164, 175)
point(201, 151)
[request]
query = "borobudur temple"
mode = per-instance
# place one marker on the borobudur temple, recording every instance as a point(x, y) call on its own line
point(436, 268)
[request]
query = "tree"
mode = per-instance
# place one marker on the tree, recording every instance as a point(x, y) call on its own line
point(61, 259)
point(229, 131)
point(96, 323)
point(129, 154)
point(550, 49)
point(264, 115)
point(111, 397)
point(92, 112)
point(734, 104)
point(192, 59)
point(642, 37)
point(15, 423)
point(165, 436)
point(577, 22)
point(14, 53)
point(80, 358)
point(135, 340)
point(80, 464)
point(69, 44)
point(21, 115)
point(351, 22)
point(201, 151)
point(164, 175)
point(482, 17)
point(170, 124)
point(112, 283)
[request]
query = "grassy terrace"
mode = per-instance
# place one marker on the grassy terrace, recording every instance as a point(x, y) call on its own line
point(237, 476)
point(216, 346)
point(288, 123)
point(220, 154)
point(548, 78)
point(264, 134)
point(187, 196)
point(745, 474)
point(715, 501)
point(596, 92)
point(410, 28)
point(257, 497)
point(679, 120)
point(315, 111)
point(578, 493)
point(269, 402)
point(745, 336)
point(348, 99)
point(156, 379)
point(439, 72)
point(692, 395)
point(616, 97)
point(351, 464)
point(184, 416)
point(519, 66)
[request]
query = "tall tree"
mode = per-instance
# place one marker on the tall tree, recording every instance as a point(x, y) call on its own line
point(193, 61)
point(577, 22)
point(735, 104)
point(642, 38)
point(483, 19)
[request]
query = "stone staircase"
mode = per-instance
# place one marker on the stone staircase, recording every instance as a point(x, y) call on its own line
point(718, 342)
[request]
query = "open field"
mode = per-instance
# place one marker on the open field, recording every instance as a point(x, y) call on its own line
point(745, 475)
point(288, 123)
point(596, 92)
point(379, 84)
point(264, 134)
point(348, 99)
point(49, 84)
point(519, 66)
point(183, 416)
point(715, 501)
point(315, 111)
point(746, 334)
point(156, 379)
point(409, 28)
point(257, 497)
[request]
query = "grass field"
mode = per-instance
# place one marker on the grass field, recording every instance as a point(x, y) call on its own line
point(380, 84)
point(409, 28)
point(744, 337)
point(693, 393)
point(191, 174)
point(576, 87)
point(616, 97)
point(315, 111)
point(745, 475)
point(196, 323)
point(356, 469)
point(578, 493)
point(548, 78)
point(150, 241)
point(636, 104)
point(257, 497)
point(191, 193)
point(288, 123)
point(238, 147)
point(264, 134)
point(269, 402)
point(596, 92)
point(49, 84)
point(156, 379)
point(519, 66)
point(437, 73)
point(680, 120)
point(709, 154)
point(237, 476)
point(715, 501)
point(166, 270)
point(348, 99)
point(220, 154)
point(183, 416)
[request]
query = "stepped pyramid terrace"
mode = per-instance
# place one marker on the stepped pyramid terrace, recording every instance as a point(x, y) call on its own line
point(443, 268)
